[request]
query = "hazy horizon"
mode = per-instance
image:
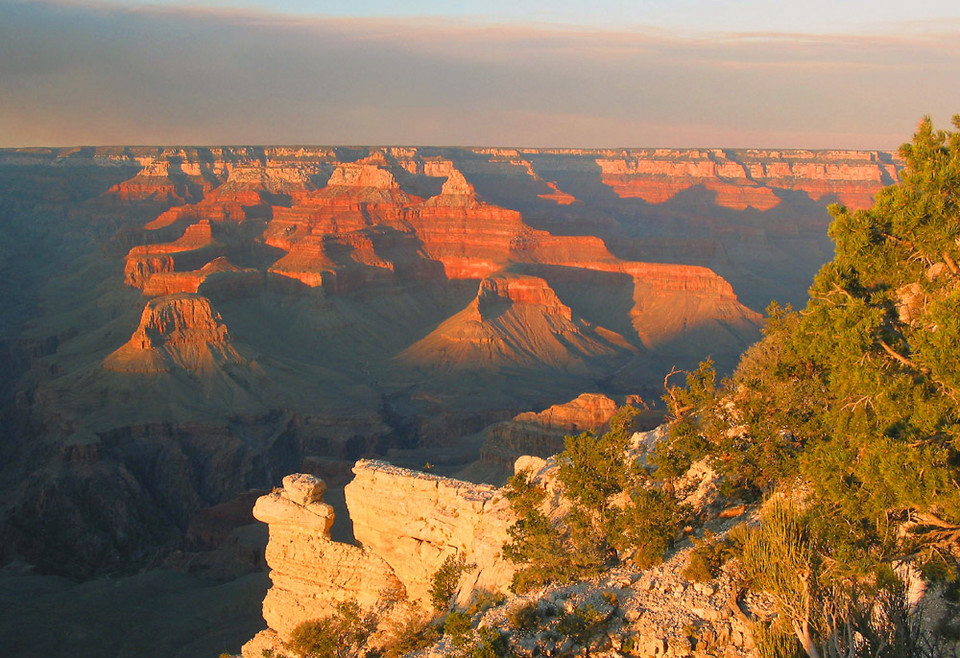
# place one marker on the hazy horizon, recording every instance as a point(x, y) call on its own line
point(738, 74)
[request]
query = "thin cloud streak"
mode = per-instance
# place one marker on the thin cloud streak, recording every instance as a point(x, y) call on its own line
point(73, 74)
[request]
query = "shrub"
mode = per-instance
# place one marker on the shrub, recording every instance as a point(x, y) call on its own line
point(490, 643)
point(647, 526)
point(443, 584)
point(584, 625)
point(707, 557)
point(549, 552)
point(484, 600)
point(408, 635)
point(337, 636)
point(594, 531)
point(457, 626)
point(524, 617)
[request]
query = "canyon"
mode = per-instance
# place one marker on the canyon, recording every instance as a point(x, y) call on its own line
point(183, 327)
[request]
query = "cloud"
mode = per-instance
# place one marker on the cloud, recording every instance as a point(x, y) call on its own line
point(74, 73)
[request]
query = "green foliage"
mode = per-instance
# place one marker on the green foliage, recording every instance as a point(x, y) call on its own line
point(548, 552)
point(409, 634)
point(613, 512)
point(832, 592)
point(457, 626)
point(443, 584)
point(856, 399)
point(859, 393)
point(593, 468)
point(774, 642)
point(645, 528)
point(482, 643)
point(707, 557)
point(584, 625)
point(524, 617)
point(489, 643)
point(337, 636)
point(483, 600)
point(686, 408)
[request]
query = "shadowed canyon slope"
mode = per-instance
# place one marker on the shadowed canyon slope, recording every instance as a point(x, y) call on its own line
point(183, 325)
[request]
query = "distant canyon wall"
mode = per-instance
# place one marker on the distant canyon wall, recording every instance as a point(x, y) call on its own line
point(185, 324)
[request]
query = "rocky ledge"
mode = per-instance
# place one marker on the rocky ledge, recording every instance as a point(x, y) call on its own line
point(407, 523)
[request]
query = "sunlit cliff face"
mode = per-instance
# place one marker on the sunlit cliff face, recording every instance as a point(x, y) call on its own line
point(236, 312)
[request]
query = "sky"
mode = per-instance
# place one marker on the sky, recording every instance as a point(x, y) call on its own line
point(608, 73)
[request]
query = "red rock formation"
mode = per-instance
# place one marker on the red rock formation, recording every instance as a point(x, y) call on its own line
point(748, 179)
point(587, 411)
point(247, 193)
point(474, 239)
point(169, 282)
point(169, 176)
point(178, 332)
point(324, 224)
point(515, 320)
point(557, 195)
point(144, 261)
point(541, 433)
point(514, 289)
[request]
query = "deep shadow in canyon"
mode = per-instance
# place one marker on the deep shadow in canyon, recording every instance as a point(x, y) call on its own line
point(183, 327)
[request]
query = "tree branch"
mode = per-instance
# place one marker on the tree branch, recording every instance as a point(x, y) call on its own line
point(899, 357)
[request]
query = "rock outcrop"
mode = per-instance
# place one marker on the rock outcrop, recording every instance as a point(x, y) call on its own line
point(541, 433)
point(503, 279)
point(406, 524)
point(176, 332)
point(414, 521)
point(515, 319)
point(748, 179)
point(311, 573)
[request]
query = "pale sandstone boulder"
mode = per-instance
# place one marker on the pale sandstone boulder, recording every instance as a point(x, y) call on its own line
point(414, 521)
point(310, 573)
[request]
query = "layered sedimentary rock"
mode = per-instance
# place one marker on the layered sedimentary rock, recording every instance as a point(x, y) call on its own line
point(515, 320)
point(176, 332)
point(169, 282)
point(414, 521)
point(144, 261)
point(541, 433)
point(163, 180)
point(517, 278)
point(310, 573)
point(406, 524)
point(750, 178)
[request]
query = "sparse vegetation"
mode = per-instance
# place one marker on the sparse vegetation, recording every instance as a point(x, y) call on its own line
point(445, 581)
point(409, 634)
point(614, 511)
point(457, 625)
point(851, 410)
point(489, 643)
point(584, 625)
point(337, 636)
point(523, 617)
point(707, 557)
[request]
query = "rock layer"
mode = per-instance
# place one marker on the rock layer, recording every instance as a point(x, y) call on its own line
point(414, 521)
point(176, 332)
point(541, 433)
point(405, 523)
point(310, 573)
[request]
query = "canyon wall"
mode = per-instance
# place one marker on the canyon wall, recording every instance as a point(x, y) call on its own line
point(186, 324)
